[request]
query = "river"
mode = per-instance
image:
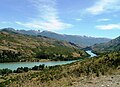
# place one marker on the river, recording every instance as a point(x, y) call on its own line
point(91, 54)
point(15, 65)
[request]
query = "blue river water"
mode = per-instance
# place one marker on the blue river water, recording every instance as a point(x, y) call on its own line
point(91, 54)
point(15, 65)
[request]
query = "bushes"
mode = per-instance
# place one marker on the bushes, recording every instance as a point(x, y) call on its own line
point(26, 69)
point(2, 85)
point(9, 56)
point(5, 71)
point(53, 54)
point(21, 69)
point(40, 67)
point(100, 65)
point(96, 66)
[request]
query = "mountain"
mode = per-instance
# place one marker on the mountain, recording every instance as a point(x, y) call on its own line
point(80, 40)
point(28, 32)
point(113, 45)
point(15, 46)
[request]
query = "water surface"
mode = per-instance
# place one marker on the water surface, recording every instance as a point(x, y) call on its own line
point(15, 65)
point(91, 54)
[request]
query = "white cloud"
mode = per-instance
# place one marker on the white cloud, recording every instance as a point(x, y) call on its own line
point(48, 18)
point(78, 19)
point(109, 26)
point(102, 6)
point(51, 26)
point(102, 20)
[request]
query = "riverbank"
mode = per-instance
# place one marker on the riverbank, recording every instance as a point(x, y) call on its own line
point(15, 65)
point(90, 70)
point(46, 62)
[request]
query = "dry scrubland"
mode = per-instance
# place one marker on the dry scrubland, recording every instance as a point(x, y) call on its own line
point(101, 71)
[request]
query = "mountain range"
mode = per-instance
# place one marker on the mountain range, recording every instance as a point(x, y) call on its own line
point(82, 41)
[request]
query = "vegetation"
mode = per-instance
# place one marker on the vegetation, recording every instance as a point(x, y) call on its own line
point(40, 67)
point(5, 71)
point(21, 69)
point(10, 56)
point(18, 47)
point(82, 41)
point(103, 48)
point(96, 66)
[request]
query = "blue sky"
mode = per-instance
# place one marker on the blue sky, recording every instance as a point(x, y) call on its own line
point(97, 18)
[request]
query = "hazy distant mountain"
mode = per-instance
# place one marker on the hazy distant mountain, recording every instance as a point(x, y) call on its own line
point(80, 40)
point(113, 45)
point(28, 32)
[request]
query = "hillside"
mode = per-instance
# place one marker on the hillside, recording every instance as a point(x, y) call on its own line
point(92, 72)
point(113, 45)
point(82, 41)
point(20, 47)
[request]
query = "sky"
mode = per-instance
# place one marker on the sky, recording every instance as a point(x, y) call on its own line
point(97, 18)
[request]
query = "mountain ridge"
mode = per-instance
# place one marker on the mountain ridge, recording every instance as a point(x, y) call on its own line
point(82, 41)
point(113, 45)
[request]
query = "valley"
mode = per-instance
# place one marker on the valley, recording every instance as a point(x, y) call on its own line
point(59, 43)
point(89, 69)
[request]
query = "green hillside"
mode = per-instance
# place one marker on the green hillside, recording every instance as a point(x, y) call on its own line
point(19, 47)
point(113, 45)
